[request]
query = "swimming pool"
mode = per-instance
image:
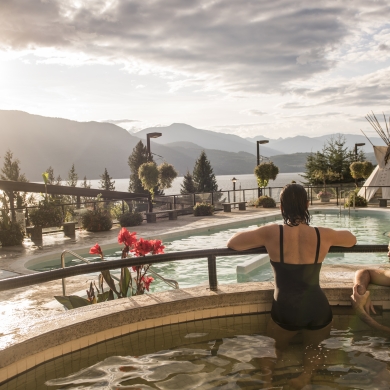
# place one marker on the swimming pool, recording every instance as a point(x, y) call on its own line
point(223, 353)
point(370, 228)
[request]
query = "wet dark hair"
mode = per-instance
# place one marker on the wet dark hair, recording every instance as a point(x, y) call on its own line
point(293, 200)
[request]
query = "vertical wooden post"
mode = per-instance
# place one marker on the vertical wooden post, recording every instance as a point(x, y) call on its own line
point(212, 266)
point(12, 205)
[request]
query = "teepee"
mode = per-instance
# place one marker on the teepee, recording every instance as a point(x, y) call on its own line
point(381, 174)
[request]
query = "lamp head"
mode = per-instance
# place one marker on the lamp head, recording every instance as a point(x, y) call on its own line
point(154, 135)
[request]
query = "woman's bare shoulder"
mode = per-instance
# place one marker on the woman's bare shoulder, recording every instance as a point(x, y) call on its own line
point(337, 237)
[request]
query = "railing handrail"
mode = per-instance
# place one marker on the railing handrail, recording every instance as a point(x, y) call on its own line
point(210, 254)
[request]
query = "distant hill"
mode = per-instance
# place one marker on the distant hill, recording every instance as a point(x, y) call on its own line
point(39, 142)
point(180, 132)
point(303, 144)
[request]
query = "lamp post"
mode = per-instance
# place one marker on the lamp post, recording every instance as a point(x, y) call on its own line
point(234, 189)
point(356, 156)
point(148, 137)
point(261, 142)
point(356, 149)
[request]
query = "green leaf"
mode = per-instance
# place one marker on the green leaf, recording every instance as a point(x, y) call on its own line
point(103, 297)
point(125, 281)
point(72, 301)
point(110, 295)
point(107, 277)
point(65, 301)
point(77, 301)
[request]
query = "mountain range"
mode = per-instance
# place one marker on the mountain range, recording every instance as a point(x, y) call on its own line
point(39, 142)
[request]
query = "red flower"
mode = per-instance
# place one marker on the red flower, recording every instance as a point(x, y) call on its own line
point(96, 250)
point(142, 247)
point(146, 280)
point(127, 238)
point(157, 247)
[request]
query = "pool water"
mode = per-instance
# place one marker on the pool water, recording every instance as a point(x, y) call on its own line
point(224, 353)
point(189, 273)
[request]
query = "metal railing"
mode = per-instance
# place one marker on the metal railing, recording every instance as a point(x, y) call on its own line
point(210, 254)
point(184, 203)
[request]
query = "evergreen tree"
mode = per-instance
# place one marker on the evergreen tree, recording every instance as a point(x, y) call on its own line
point(203, 176)
point(51, 179)
point(85, 183)
point(106, 182)
point(11, 171)
point(188, 186)
point(72, 177)
point(334, 157)
point(136, 159)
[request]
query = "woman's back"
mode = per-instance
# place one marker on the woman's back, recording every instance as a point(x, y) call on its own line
point(299, 302)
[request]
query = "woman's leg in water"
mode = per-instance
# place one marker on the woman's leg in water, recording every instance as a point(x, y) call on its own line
point(282, 339)
point(313, 354)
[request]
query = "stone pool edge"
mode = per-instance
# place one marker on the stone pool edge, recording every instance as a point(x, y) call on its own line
point(77, 329)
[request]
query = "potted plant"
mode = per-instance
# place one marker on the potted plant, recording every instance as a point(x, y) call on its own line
point(324, 196)
point(330, 175)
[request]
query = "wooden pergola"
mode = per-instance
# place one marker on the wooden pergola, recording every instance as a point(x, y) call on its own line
point(9, 187)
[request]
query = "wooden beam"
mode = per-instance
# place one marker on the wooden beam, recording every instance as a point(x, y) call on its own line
point(8, 185)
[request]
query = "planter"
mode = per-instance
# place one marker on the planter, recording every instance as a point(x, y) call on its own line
point(325, 199)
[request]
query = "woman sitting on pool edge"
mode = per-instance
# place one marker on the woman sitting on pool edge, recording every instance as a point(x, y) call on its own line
point(297, 251)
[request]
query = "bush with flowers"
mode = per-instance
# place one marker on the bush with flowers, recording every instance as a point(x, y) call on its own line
point(129, 283)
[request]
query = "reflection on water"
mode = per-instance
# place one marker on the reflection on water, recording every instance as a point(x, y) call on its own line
point(351, 362)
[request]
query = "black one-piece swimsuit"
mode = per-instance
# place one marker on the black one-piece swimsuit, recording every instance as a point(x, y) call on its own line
point(299, 302)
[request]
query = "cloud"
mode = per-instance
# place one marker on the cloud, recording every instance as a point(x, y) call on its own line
point(371, 90)
point(240, 47)
point(253, 112)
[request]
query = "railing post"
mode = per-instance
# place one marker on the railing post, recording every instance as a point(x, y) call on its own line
point(123, 206)
point(243, 195)
point(212, 198)
point(212, 265)
point(228, 196)
point(194, 199)
point(311, 196)
point(174, 202)
point(78, 202)
point(337, 196)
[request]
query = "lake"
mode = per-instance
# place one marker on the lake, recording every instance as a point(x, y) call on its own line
point(224, 182)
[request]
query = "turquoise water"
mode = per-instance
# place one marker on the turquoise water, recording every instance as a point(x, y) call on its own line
point(368, 229)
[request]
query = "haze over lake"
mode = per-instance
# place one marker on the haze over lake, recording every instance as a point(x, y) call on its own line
point(224, 182)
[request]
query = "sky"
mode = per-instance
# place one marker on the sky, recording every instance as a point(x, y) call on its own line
point(275, 68)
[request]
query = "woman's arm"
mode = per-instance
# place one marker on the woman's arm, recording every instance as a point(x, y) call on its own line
point(342, 238)
point(248, 239)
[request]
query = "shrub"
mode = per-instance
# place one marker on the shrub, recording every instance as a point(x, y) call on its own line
point(265, 201)
point(203, 209)
point(47, 215)
point(360, 201)
point(116, 210)
point(11, 233)
point(98, 220)
point(130, 219)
